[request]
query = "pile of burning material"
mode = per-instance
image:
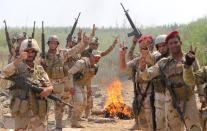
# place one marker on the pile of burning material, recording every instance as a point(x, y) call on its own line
point(114, 106)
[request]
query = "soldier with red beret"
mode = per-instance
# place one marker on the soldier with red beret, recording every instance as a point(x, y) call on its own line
point(173, 72)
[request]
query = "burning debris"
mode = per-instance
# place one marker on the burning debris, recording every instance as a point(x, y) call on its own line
point(115, 106)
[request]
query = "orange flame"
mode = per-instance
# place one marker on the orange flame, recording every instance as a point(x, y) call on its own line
point(114, 102)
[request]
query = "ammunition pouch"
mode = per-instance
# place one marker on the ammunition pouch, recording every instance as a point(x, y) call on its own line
point(42, 108)
point(19, 106)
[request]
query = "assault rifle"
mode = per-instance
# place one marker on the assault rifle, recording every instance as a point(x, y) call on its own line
point(70, 35)
point(9, 43)
point(173, 96)
point(33, 33)
point(43, 45)
point(136, 32)
point(25, 83)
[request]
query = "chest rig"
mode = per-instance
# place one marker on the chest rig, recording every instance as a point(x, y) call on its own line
point(55, 67)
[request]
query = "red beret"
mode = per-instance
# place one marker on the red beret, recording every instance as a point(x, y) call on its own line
point(171, 35)
point(142, 38)
point(150, 37)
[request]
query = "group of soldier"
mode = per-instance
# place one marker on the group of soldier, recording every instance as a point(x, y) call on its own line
point(164, 81)
point(66, 73)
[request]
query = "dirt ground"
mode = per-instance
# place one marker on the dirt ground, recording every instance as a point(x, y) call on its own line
point(99, 95)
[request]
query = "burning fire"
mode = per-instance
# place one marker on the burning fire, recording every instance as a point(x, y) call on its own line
point(114, 105)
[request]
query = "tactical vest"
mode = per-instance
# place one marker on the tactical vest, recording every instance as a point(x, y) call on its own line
point(174, 73)
point(25, 100)
point(86, 75)
point(55, 67)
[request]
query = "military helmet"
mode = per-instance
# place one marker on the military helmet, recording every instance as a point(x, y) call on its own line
point(21, 35)
point(94, 40)
point(53, 38)
point(160, 39)
point(29, 44)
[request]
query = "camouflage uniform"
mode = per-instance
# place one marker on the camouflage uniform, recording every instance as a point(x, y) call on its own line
point(159, 90)
point(57, 72)
point(87, 53)
point(145, 115)
point(27, 107)
point(174, 73)
point(80, 75)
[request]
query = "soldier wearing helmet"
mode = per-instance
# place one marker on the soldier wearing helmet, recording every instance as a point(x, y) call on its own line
point(80, 75)
point(93, 45)
point(28, 108)
point(57, 72)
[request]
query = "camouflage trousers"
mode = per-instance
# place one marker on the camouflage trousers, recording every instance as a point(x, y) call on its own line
point(60, 90)
point(160, 111)
point(88, 102)
point(145, 115)
point(174, 122)
point(79, 103)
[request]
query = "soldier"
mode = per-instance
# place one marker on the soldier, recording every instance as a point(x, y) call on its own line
point(80, 75)
point(28, 108)
point(93, 45)
point(173, 71)
point(72, 60)
point(145, 115)
point(55, 68)
point(159, 87)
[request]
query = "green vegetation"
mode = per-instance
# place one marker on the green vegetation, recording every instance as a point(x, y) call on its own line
point(193, 33)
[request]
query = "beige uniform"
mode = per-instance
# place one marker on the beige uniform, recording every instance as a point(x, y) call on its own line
point(159, 91)
point(27, 107)
point(174, 73)
point(87, 53)
point(145, 115)
point(57, 73)
point(80, 75)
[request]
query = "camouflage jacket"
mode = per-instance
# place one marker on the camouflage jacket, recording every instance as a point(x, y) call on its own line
point(173, 71)
point(56, 62)
point(82, 72)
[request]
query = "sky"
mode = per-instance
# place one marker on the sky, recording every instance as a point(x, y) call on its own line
point(103, 13)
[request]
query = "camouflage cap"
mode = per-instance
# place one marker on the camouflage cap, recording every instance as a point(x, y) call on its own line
point(96, 53)
point(21, 36)
point(94, 40)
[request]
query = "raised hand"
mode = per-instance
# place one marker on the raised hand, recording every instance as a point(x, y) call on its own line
point(85, 38)
point(122, 48)
point(116, 40)
point(94, 30)
point(135, 40)
point(79, 35)
point(190, 56)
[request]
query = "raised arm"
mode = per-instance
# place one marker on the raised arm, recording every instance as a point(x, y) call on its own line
point(106, 52)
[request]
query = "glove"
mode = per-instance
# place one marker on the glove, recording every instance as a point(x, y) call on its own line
point(189, 61)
